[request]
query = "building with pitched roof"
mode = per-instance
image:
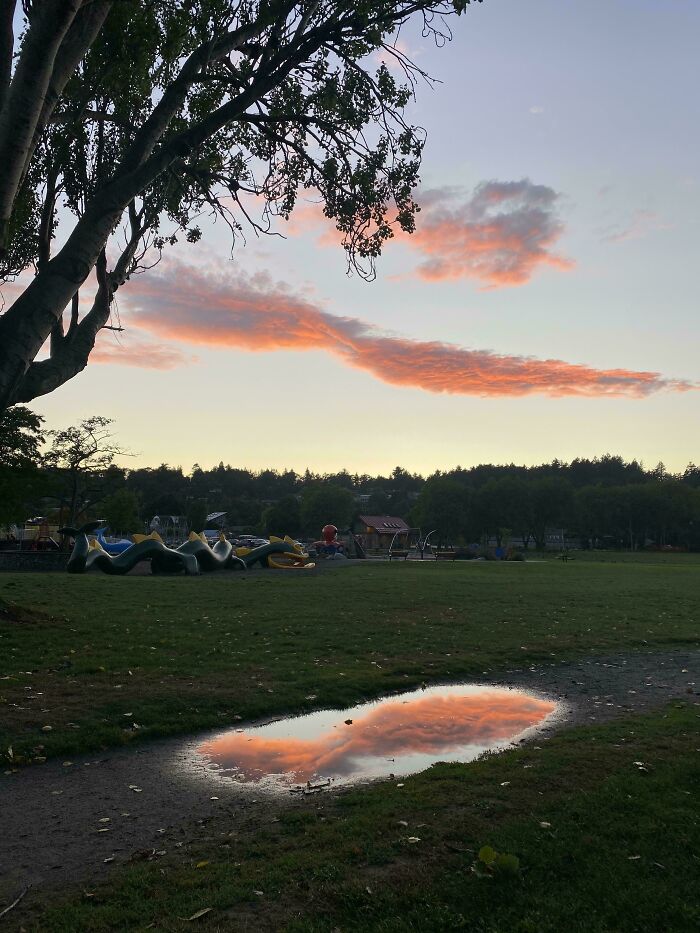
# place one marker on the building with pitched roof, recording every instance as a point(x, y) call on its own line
point(378, 531)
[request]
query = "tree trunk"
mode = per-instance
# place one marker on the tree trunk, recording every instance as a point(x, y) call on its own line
point(27, 324)
point(25, 98)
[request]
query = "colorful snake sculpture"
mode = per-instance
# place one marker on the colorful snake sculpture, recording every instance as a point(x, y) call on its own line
point(192, 557)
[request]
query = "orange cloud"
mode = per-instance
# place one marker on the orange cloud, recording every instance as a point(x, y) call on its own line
point(430, 726)
point(254, 313)
point(499, 236)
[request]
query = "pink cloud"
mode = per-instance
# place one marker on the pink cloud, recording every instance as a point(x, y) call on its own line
point(256, 314)
point(429, 726)
point(499, 236)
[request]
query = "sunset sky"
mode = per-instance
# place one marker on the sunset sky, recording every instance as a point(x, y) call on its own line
point(546, 306)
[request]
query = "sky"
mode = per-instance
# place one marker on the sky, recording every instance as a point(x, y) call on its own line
point(545, 308)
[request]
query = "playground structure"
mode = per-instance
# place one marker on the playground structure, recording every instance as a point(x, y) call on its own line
point(112, 547)
point(193, 557)
point(330, 546)
point(37, 534)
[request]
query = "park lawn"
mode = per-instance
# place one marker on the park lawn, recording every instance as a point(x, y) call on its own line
point(604, 821)
point(105, 661)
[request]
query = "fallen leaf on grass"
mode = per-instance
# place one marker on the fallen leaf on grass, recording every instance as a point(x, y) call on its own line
point(202, 864)
point(200, 913)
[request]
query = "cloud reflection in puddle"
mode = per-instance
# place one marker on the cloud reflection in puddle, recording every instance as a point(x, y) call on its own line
point(396, 736)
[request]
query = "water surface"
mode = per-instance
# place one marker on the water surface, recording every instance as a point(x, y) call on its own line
point(394, 736)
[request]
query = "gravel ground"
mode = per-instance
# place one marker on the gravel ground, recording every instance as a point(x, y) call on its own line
point(71, 822)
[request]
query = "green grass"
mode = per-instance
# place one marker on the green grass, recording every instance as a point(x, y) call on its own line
point(665, 558)
point(181, 654)
point(620, 853)
point(603, 847)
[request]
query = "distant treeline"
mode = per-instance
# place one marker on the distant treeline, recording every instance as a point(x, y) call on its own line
point(605, 501)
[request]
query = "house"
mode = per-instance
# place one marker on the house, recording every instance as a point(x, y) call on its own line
point(378, 531)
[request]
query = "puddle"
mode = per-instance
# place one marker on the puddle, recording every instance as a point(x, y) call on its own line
point(395, 736)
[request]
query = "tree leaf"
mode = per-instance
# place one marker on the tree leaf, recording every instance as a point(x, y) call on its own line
point(507, 864)
point(487, 855)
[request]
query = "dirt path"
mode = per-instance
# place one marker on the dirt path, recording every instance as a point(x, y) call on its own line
point(68, 822)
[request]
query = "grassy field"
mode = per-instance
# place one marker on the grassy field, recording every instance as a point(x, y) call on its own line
point(602, 845)
point(180, 654)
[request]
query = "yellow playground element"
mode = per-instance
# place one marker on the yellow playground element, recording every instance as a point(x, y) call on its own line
point(154, 536)
point(295, 559)
point(280, 553)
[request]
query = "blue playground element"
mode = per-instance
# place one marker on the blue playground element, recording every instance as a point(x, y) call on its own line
point(112, 547)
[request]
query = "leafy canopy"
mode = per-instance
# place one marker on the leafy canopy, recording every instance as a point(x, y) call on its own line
point(300, 104)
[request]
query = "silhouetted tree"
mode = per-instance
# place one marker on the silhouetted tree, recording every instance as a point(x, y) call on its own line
point(283, 518)
point(326, 505)
point(82, 456)
point(443, 505)
point(121, 512)
point(551, 502)
point(120, 119)
point(20, 438)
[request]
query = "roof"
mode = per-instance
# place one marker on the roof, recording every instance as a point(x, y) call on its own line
point(384, 524)
point(215, 515)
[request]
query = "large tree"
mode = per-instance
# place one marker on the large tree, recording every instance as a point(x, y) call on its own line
point(82, 458)
point(124, 120)
point(21, 436)
point(326, 504)
point(443, 507)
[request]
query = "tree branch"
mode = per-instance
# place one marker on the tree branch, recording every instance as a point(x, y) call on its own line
point(70, 356)
point(82, 33)
point(7, 44)
point(25, 98)
point(172, 100)
point(47, 219)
